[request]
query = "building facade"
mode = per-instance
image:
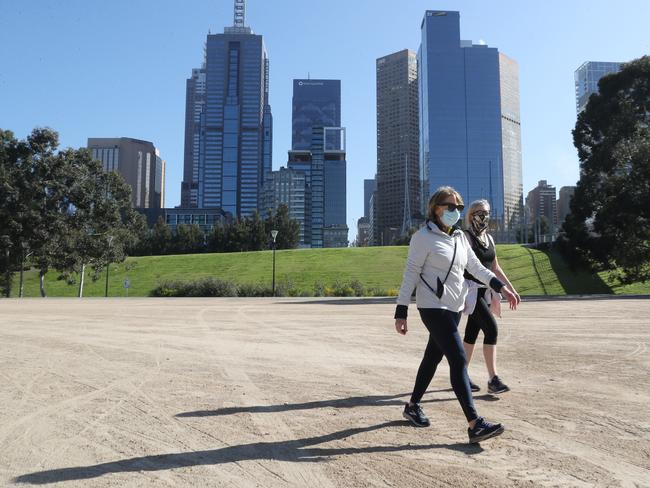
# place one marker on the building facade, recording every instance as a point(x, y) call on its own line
point(316, 103)
point(398, 178)
point(541, 203)
point(369, 187)
point(194, 111)
point(470, 131)
point(138, 162)
point(206, 218)
point(564, 203)
point(235, 125)
point(363, 232)
point(587, 77)
point(324, 166)
point(287, 186)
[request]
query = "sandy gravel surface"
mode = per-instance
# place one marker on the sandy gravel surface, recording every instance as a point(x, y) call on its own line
point(288, 392)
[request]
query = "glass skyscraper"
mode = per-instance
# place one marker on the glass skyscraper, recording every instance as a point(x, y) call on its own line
point(470, 128)
point(315, 103)
point(235, 125)
point(587, 77)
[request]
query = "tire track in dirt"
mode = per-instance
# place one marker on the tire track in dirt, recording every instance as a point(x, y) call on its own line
point(289, 472)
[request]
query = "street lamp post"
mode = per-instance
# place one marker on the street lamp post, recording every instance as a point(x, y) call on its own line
point(274, 234)
point(108, 265)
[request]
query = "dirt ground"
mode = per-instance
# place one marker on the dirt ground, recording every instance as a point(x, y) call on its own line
point(308, 393)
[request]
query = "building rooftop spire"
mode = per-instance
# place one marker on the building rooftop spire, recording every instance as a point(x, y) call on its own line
point(240, 14)
point(239, 20)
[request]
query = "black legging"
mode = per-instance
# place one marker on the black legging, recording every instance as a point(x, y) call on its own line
point(444, 340)
point(481, 319)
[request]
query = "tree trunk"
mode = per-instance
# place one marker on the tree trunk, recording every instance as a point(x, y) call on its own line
point(42, 283)
point(81, 280)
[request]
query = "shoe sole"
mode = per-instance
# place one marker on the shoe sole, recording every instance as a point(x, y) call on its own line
point(498, 392)
point(484, 437)
point(413, 421)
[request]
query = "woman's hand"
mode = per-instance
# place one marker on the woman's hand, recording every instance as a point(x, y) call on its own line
point(514, 292)
point(510, 296)
point(400, 326)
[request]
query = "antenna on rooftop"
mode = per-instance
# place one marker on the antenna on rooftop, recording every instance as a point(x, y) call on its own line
point(240, 13)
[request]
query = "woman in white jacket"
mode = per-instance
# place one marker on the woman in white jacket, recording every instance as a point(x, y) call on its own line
point(438, 256)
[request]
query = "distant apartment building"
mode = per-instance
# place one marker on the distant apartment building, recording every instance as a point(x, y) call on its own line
point(140, 165)
point(587, 77)
point(363, 231)
point(541, 203)
point(287, 186)
point(369, 186)
point(564, 203)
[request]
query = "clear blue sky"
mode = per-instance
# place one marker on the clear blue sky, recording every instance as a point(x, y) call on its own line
point(118, 68)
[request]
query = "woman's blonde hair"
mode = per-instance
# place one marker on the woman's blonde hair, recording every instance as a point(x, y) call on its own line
point(440, 196)
point(473, 207)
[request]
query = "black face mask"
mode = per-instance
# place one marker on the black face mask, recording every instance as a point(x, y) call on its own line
point(480, 222)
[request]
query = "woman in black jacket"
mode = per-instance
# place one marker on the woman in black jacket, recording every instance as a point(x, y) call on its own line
point(482, 298)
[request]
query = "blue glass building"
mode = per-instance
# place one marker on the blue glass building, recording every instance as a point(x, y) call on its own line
point(324, 165)
point(236, 125)
point(587, 77)
point(316, 103)
point(469, 120)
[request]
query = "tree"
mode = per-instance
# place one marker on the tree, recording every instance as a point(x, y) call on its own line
point(189, 238)
point(62, 206)
point(288, 229)
point(609, 224)
point(160, 238)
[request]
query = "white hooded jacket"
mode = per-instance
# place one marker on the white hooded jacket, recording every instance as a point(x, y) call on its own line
point(429, 258)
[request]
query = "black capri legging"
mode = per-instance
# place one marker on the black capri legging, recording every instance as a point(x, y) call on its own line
point(481, 319)
point(444, 340)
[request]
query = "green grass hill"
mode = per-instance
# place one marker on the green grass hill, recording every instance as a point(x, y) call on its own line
point(532, 271)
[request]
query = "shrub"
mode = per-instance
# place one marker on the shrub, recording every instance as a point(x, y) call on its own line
point(205, 287)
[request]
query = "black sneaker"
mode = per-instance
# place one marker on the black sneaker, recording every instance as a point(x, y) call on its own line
point(474, 386)
point(495, 385)
point(484, 430)
point(415, 415)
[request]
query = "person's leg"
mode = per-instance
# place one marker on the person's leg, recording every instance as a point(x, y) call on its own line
point(490, 355)
point(443, 327)
point(430, 360)
point(471, 334)
point(488, 325)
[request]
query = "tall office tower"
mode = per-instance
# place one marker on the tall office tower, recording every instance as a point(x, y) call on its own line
point(564, 203)
point(138, 162)
point(541, 202)
point(235, 128)
point(324, 167)
point(398, 173)
point(316, 103)
point(318, 151)
point(287, 186)
point(587, 77)
point(194, 110)
point(470, 128)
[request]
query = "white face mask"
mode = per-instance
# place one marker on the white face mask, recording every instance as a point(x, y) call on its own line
point(450, 218)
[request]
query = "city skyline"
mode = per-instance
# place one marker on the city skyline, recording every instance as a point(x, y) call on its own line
point(51, 48)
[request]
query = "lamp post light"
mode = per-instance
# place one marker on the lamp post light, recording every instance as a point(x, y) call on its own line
point(108, 265)
point(274, 234)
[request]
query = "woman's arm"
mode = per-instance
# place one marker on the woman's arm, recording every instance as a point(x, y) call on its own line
point(498, 272)
point(418, 252)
